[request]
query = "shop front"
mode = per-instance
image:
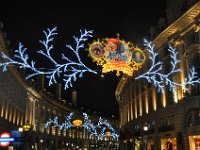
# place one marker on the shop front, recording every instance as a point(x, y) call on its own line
point(168, 144)
point(194, 142)
point(151, 144)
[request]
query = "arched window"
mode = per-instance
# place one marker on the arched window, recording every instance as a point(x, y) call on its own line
point(193, 118)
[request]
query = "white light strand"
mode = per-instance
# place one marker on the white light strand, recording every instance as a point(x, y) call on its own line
point(103, 125)
point(154, 70)
point(89, 125)
point(67, 124)
point(96, 130)
point(71, 69)
point(53, 122)
point(154, 73)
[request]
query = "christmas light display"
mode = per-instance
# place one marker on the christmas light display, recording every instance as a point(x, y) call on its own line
point(114, 54)
point(99, 130)
point(104, 125)
point(156, 76)
point(89, 125)
point(77, 122)
point(54, 122)
point(66, 125)
point(71, 69)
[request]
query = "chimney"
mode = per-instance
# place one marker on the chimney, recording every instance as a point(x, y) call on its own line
point(74, 97)
point(1, 25)
point(40, 81)
point(58, 91)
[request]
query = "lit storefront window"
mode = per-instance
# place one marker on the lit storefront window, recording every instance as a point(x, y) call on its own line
point(194, 142)
point(169, 144)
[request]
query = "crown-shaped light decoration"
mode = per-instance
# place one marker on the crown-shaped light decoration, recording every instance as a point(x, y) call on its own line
point(114, 54)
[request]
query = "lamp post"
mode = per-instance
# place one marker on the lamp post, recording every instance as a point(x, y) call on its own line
point(145, 129)
point(20, 129)
point(77, 122)
point(26, 128)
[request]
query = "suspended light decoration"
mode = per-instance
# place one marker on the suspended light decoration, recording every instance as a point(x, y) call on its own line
point(113, 54)
point(77, 122)
point(155, 74)
point(26, 126)
point(71, 69)
point(108, 133)
point(99, 130)
point(118, 55)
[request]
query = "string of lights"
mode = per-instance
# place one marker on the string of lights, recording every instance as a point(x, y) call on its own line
point(98, 130)
point(71, 69)
point(155, 73)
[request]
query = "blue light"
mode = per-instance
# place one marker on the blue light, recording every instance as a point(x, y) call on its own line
point(155, 74)
point(71, 69)
point(6, 139)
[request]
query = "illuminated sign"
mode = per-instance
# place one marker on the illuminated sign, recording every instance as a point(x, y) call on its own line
point(118, 55)
point(5, 139)
point(17, 135)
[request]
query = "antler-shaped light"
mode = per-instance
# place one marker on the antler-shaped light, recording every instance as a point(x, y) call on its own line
point(94, 130)
point(155, 75)
point(71, 69)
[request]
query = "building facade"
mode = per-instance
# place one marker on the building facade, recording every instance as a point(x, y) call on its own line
point(29, 102)
point(171, 120)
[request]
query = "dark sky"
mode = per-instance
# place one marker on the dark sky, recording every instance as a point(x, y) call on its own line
point(25, 20)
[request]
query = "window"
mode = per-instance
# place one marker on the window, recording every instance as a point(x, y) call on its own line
point(191, 38)
point(193, 118)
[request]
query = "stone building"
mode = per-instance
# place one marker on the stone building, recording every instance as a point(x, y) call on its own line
point(23, 101)
point(170, 120)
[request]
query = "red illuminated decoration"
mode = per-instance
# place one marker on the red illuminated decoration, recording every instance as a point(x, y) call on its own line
point(97, 51)
point(118, 55)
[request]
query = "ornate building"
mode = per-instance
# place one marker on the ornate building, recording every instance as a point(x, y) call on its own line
point(169, 121)
point(29, 102)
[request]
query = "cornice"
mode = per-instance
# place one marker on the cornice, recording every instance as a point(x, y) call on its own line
point(180, 26)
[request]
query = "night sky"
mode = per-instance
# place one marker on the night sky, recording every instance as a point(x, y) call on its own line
point(24, 21)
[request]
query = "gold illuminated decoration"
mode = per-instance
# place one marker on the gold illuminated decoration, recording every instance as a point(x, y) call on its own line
point(77, 122)
point(26, 126)
point(108, 133)
point(118, 55)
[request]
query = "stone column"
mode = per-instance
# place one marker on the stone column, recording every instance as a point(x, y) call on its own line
point(34, 119)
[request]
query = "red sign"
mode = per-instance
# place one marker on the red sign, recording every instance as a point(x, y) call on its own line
point(5, 139)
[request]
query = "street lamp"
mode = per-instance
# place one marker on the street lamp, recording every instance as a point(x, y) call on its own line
point(26, 126)
point(145, 129)
point(20, 129)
